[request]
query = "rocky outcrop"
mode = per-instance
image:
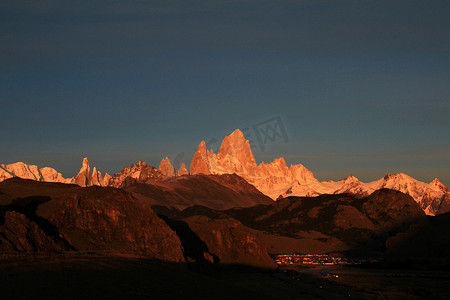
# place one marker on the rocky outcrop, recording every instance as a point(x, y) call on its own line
point(202, 161)
point(166, 168)
point(84, 177)
point(51, 175)
point(96, 177)
point(136, 173)
point(182, 170)
point(106, 180)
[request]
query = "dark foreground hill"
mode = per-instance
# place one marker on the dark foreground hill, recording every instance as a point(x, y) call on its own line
point(52, 217)
point(39, 216)
point(425, 245)
point(321, 224)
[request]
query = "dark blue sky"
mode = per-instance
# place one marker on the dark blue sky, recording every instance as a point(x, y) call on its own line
point(361, 87)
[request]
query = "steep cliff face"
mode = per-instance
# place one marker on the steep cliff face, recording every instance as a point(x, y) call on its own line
point(182, 170)
point(166, 168)
point(202, 160)
point(235, 156)
point(143, 173)
point(136, 173)
point(86, 178)
point(106, 179)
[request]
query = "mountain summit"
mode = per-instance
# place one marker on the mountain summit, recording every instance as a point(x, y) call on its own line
point(166, 168)
point(235, 156)
point(276, 179)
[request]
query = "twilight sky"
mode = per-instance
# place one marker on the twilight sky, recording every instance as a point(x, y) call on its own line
point(360, 87)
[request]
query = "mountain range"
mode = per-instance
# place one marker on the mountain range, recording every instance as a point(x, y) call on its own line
point(275, 180)
point(226, 210)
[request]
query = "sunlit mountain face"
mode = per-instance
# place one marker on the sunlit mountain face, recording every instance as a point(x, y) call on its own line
point(275, 179)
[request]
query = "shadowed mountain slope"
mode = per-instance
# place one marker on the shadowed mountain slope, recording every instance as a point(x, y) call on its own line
point(48, 217)
point(425, 245)
point(214, 191)
point(84, 219)
point(324, 223)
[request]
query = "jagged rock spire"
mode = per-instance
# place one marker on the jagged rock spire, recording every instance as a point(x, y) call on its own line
point(201, 160)
point(182, 170)
point(166, 168)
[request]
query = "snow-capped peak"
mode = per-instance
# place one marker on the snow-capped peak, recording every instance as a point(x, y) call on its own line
point(350, 179)
point(235, 156)
point(439, 185)
point(22, 170)
point(398, 176)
